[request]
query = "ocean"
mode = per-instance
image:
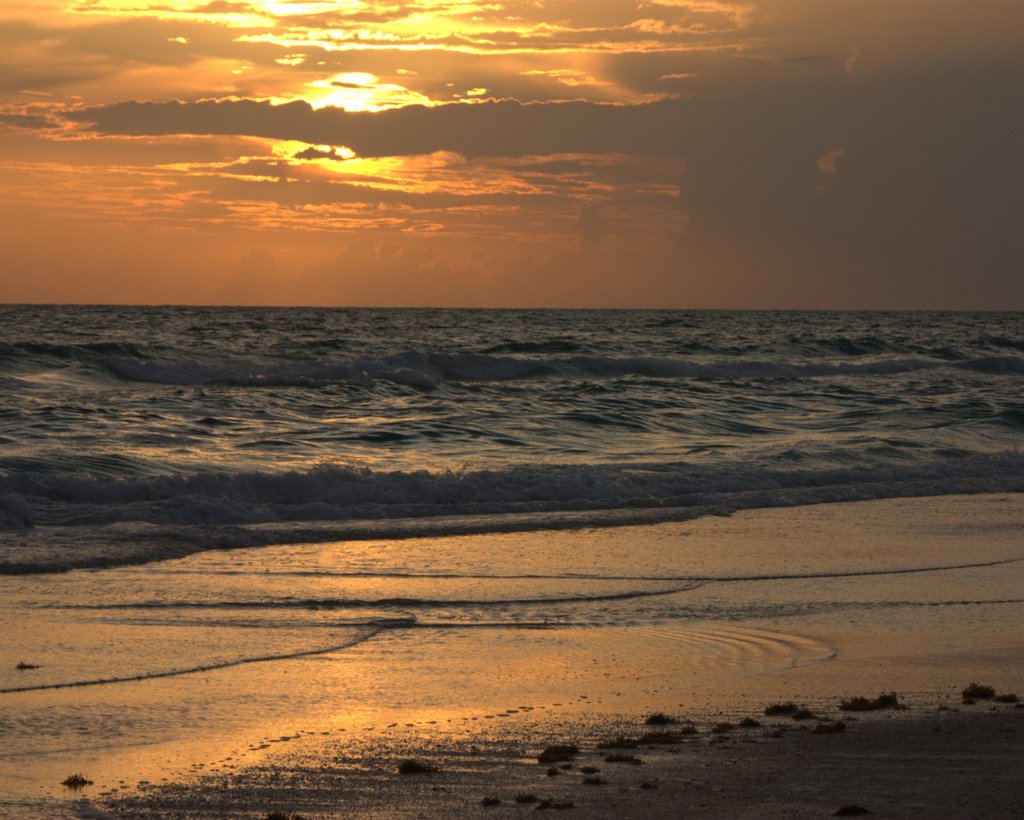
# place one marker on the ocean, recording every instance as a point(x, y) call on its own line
point(130, 435)
point(227, 528)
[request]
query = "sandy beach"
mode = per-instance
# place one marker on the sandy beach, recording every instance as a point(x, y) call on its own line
point(804, 606)
point(926, 762)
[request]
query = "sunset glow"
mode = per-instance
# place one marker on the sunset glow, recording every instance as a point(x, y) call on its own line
point(654, 152)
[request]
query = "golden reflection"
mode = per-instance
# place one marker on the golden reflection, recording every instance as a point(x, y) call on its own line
point(362, 91)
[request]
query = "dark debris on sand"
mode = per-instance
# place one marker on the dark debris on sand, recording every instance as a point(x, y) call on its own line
point(977, 691)
point(777, 709)
point(415, 767)
point(661, 738)
point(75, 782)
point(558, 753)
point(659, 719)
point(862, 704)
point(882, 764)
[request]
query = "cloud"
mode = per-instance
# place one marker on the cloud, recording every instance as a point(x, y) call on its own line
point(489, 128)
point(801, 187)
point(28, 121)
point(775, 213)
point(328, 152)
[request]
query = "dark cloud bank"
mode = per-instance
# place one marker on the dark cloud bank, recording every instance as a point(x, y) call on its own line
point(503, 128)
point(903, 192)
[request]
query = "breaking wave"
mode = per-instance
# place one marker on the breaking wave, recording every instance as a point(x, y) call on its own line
point(142, 519)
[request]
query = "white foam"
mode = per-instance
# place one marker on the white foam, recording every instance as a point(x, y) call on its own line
point(140, 519)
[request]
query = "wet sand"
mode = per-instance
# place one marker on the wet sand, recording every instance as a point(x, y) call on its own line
point(926, 762)
point(810, 605)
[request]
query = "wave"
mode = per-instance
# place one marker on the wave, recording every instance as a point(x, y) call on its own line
point(859, 346)
point(1012, 418)
point(562, 345)
point(428, 370)
point(998, 365)
point(85, 351)
point(135, 520)
point(1003, 342)
point(331, 492)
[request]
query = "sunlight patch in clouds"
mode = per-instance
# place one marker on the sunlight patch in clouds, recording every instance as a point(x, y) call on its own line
point(361, 91)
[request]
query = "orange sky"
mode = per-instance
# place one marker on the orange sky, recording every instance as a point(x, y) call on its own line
point(662, 153)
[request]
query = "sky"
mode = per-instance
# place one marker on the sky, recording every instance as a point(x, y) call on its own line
point(522, 153)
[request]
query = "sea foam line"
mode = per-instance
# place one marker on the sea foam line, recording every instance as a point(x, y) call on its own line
point(138, 520)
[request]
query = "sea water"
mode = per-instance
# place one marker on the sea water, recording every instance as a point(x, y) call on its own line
point(135, 434)
point(199, 506)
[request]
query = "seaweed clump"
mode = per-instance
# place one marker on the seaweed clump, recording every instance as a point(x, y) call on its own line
point(75, 782)
point(659, 719)
point(977, 691)
point(862, 704)
point(558, 753)
point(781, 709)
point(660, 739)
